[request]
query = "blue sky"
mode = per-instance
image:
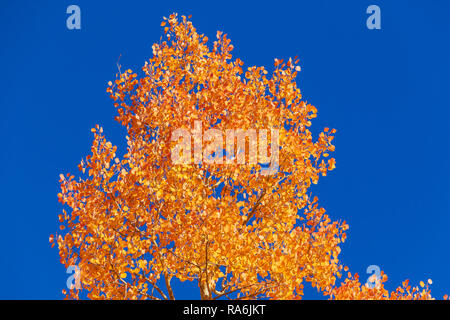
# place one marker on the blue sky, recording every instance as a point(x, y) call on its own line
point(385, 91)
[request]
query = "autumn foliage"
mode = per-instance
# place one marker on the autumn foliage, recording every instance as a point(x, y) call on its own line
point(135, 223)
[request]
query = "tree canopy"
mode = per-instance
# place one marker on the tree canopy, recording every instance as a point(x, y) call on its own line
point(136, 222)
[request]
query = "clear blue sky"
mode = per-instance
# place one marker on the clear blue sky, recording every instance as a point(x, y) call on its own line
point(386, 91)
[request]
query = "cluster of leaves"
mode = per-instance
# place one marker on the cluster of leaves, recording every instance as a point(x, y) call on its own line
point(352, 289)
point(135, 223)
